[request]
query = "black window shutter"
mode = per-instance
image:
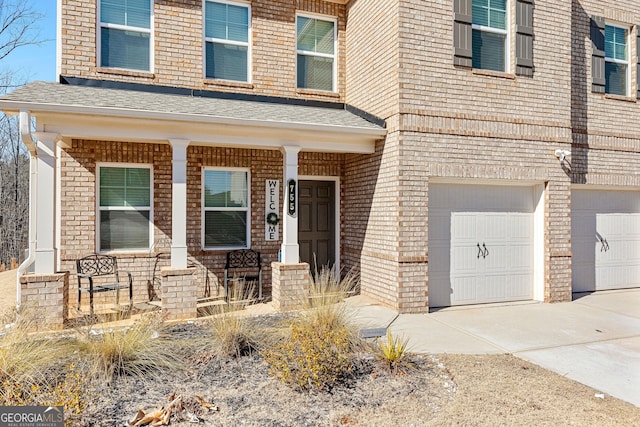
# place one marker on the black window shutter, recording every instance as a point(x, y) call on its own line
point(524, 38)
point(597, 58)
point(462, 33)
point(638, 60)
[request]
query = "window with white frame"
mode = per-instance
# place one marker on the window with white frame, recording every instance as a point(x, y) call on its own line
point(226, 29)
point(489, 37)
point(316, 53)
point(616, 67)
point(226, 208)
point(125, 34)
point(124, 207)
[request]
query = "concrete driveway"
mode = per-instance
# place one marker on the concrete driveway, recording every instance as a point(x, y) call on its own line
point(594, 340)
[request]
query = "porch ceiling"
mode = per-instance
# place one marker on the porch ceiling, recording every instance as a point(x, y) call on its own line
point(86, 112)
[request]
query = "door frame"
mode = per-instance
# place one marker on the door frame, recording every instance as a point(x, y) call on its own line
point(337, 208)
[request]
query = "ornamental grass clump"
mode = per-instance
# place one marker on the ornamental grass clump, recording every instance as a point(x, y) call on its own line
point(234, 335)
point(318, 351)
point(392, 351)
point(33, 370)
point(137, 350)
point(25, 356)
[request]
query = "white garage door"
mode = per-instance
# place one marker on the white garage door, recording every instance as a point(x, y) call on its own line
point(480, 244)
point(605, 236)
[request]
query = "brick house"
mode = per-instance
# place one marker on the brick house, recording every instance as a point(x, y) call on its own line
point(452, 152)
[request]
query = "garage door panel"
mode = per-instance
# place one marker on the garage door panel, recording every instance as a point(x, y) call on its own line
point(519, 287)
point(520, 256)
point(495, 226)
point(490, 245)
point(464, 260)
point(520, 227)
point(612, 218)
point(464, 227)
point(465, 290)
point(492, 288)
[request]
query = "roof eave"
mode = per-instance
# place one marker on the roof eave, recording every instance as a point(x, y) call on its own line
point(13, 107)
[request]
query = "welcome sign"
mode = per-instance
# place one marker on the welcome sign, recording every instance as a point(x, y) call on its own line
point(271, 208)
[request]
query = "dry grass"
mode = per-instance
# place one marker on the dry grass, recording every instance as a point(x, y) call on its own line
point(137, 350)
point(24, 355)
point(233, 333)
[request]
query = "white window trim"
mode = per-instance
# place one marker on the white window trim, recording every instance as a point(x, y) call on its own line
point(628, 48)
point(248, 44)
point(507, 33)
point(247, 209)
point(125, 208)
point(334, 77)
point(100, 24)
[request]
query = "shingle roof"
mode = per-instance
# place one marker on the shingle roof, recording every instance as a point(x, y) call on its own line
point(69, 98)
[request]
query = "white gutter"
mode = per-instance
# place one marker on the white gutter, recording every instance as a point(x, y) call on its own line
point(30, 143)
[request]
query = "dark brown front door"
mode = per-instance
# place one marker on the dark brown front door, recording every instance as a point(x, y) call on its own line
point(316, 223)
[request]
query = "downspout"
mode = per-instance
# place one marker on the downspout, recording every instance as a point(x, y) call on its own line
point(30, 143)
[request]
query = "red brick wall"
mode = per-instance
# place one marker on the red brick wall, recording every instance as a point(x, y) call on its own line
point(78, 217)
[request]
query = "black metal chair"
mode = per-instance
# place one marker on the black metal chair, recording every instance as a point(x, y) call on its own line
point(93, 266)
point(243, 265)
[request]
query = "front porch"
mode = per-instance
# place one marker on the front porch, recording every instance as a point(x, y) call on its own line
point(204, 183)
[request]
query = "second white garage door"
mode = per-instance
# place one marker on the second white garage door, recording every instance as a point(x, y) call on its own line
point(480, 244)
point(605, 236)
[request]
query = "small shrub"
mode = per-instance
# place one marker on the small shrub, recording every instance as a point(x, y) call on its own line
point(392, 351)
point(137, 350)
point(312, 357)
point(70, 392)
point(318, 351)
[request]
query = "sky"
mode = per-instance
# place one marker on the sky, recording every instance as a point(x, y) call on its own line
point(37, 62)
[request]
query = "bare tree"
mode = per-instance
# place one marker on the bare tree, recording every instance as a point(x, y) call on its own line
point(18, 28)
point(14, 192)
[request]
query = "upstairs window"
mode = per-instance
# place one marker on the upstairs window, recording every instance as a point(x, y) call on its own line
point(125, 34)
point(124, 208)
point(616, 57)
point(489, 34)
point(316, 53)
point(227, 41)
point(482, 35)
point(226, 209)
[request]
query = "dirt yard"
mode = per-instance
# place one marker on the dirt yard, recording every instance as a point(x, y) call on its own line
point(439, 390)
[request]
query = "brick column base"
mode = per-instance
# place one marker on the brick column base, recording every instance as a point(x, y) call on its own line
point(289, 285)
point(48, 294)
point(179, 293)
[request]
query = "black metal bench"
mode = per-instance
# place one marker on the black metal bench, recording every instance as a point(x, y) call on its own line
point(94, 266)
point(243, 265)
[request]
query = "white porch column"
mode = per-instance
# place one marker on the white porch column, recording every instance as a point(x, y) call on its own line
point(290, 248)
point(179, 204)
point(45, 199)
